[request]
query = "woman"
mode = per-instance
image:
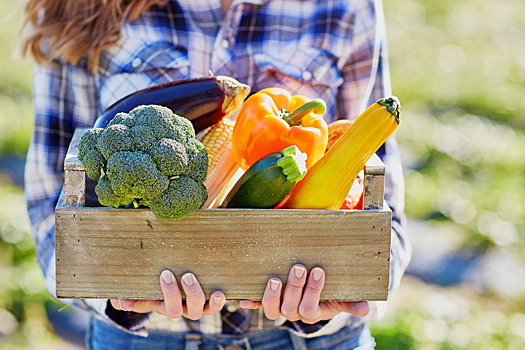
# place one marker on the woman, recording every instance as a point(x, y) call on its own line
point(91, 53)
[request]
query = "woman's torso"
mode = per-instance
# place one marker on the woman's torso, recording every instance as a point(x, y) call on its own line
point(298, 45)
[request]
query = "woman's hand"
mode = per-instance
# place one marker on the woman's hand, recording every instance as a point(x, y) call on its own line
point(172, 306)
point(301, 298)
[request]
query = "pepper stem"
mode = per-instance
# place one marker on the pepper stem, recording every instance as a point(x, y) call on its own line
point(317, 106)
point(392, 105)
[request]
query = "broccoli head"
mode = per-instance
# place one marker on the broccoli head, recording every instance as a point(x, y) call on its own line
point(149, 155)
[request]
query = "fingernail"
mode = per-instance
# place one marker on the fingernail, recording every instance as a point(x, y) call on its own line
point(274, 285)
point(188, 279)
point(126, 305)
point(217, 300)
point(318, 273)
point(166, 276)
point(299, 271)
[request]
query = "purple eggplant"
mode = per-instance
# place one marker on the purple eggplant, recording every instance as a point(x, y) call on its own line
point(204, 101)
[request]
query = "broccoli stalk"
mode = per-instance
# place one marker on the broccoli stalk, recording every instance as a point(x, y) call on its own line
point(148, 156)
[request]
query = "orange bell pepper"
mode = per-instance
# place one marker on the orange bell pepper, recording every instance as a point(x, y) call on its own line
point(272, 120)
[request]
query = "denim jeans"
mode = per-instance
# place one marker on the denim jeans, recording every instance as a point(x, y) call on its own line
point(103, 336)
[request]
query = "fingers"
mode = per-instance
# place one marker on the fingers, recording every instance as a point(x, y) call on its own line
point(116, 304)
point(271, 300)
point(309, 309)
point(172, 306)
point(216, 303)
point(300, 299)
point(248, 304)
point(195, 298)
point(358, 309)
point(293, 292)
point(299, 302)
point(139, 306)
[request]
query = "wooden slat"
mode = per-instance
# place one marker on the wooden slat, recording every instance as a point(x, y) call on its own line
point(74, 173)
point(75, 188)
point(374, 184)
point(375, 166)
point(71, 161)
point(120, 253)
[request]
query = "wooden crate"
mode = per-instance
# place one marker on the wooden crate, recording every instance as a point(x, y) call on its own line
point(120, 253)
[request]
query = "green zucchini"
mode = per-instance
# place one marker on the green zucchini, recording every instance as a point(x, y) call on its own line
point(268, 181)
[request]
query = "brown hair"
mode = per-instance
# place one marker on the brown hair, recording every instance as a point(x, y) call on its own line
point(77, 28)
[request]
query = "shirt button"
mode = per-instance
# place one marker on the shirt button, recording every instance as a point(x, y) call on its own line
point(307, 75)
point(136, 62)
point(225, 44)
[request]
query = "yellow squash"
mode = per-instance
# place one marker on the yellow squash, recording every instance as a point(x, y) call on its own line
point(328, 182)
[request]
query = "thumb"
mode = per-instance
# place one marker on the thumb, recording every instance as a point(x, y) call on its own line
point(359, 308)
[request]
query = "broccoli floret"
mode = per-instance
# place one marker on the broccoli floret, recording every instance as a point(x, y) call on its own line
point(115, 138)
point(170, 156)
point(143, 138)
point(162, 122)
point(183, 196)
point(147, 155)
point(107, 197)
point(197, 161)
point(122, 118)
point(88, 152)
point(134, 174)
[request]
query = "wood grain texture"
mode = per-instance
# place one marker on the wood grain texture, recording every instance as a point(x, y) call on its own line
point(120, 253)
point(75, 188)
point(74, 173)
point(374, 184)
point(374, 191)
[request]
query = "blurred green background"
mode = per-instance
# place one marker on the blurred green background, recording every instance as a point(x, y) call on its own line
point(458, 68)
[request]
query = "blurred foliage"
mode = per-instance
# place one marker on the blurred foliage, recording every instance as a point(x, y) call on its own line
point(16, 120)
point(23, 318)
point(427, 317)
point(468, 53)
point(458, 68)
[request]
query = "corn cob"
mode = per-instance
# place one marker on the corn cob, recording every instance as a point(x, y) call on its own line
point(223, 171)
point(216, 141)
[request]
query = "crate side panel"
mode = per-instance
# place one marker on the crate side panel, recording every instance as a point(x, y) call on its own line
point(117, 253)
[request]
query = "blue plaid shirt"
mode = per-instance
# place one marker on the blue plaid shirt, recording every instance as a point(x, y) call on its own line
point(334, 50)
